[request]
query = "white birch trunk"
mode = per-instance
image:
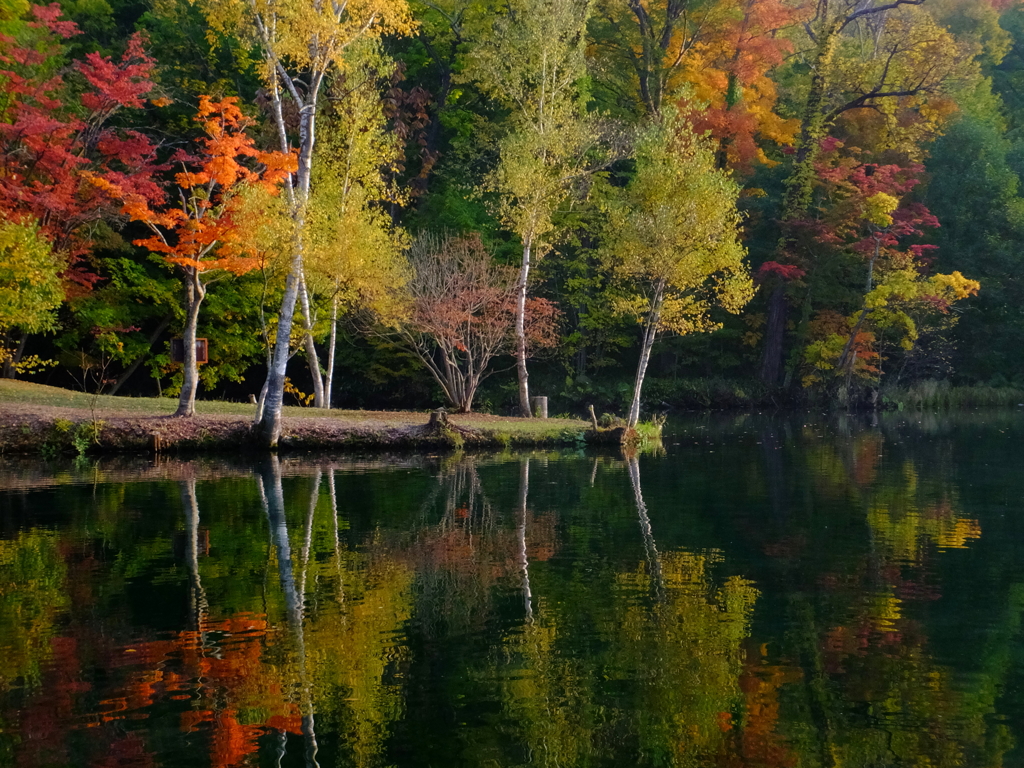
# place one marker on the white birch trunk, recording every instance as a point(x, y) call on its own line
point(524, 385)
point(521, 555)
point(270, 417)
point(650, 332)
point(331, 353)
point(312, 358)
point(190, 381)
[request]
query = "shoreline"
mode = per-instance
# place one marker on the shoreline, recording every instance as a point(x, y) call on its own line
point(28, 428)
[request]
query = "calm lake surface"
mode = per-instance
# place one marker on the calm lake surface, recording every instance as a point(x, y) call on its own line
point(800, 591)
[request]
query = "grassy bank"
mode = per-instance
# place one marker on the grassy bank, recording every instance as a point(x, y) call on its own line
point(939, 395)
point(50, 421)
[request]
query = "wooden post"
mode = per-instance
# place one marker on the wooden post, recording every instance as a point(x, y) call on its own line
point(540, 407)
point(593, 416)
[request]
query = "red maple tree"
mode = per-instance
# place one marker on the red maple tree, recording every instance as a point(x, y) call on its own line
point(56, 139)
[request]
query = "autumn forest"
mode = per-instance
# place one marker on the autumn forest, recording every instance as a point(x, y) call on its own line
point(634, 204)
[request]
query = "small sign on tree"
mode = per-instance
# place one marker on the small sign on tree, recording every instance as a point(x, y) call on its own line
point(178, 351)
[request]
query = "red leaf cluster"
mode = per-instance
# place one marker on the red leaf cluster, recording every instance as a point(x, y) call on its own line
point(786, 272)
point(59, 158)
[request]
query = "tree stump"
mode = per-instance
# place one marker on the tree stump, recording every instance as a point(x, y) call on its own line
point(438, 421)
point(540, 407)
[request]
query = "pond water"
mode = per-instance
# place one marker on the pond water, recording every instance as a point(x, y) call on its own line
point(804, 591)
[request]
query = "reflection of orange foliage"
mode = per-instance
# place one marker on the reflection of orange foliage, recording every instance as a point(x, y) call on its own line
point(541, 537)
point(865, 458)
point(954, 532)
point(231, 741)
point(186, 666)
point(724, 721)
point(759, 742)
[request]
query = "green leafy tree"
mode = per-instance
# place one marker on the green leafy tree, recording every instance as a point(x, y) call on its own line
point(674, 237)
point(532, 62)
point(30, 287)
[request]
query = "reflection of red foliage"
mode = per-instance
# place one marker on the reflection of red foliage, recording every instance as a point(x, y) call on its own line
point(786, 547)
point(541, 537)
point(127, 752)
point(865, 458)
point(159, 673)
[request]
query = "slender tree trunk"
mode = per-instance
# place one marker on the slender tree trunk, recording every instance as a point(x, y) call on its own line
point(650, 332)
point(270, 414)
point(199, 606)
point(524, 385)
point(312, 358)
point(154, 337)
point(331, 353)
point(269, 424)
point(273, 504)
point(337, 539)
point(190, 381)
point(650, 547)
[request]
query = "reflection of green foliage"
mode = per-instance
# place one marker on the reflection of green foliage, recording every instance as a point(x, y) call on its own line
point(674, 662)
point(32, 594)
point(642, 646)
point(354, 651)
point(694, 638)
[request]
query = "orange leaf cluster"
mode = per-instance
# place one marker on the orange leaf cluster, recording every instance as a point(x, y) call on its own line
point(200, 232)
point(728, 69)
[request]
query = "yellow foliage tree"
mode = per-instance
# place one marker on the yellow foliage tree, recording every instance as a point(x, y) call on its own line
point(354, 251)
point(532, 61)
point(675, 237)
point(303, 43)
point(30, 287)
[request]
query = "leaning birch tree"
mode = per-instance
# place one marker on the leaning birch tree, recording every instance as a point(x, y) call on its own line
point(532, 61)
point(302, 44)
point(674, 237)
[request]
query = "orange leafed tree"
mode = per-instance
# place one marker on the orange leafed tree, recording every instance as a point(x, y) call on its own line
point(728, 69)
point(200, 231)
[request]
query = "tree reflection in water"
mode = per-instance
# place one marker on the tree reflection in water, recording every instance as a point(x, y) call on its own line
point(526, 610)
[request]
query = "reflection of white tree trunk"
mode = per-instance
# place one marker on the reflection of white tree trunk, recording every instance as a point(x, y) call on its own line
point(337, 539)
point(199, 607)
point(522, 561)
point(272, 494)
point(653, 558)
point(307, 541)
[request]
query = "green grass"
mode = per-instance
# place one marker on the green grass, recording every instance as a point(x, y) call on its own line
point(936, 395)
